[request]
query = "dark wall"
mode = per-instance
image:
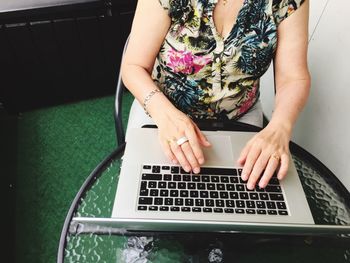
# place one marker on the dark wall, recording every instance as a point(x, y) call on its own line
point(61, 54)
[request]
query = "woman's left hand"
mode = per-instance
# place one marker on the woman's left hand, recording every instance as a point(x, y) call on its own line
point(266, 153)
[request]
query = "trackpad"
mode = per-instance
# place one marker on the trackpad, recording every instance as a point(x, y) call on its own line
point(220, 152)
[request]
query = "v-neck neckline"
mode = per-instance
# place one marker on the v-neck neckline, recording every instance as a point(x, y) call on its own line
point(234, 25)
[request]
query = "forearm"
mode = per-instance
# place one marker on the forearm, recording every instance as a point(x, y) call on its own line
point(289, 102)
point(139, 82)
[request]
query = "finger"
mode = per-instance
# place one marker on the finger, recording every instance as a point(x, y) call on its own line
point(251, 158)
point(195, 148)
point(270, 169)
point(243, 156)
point(202, 138)
point(282, 172)
point(167, 150)
point(257, 171)
point(191, 158)
point(177, 151)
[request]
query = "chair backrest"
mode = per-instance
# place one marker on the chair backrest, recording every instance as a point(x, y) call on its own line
point(119, 127)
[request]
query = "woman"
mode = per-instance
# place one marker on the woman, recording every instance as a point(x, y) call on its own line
point(203, 59)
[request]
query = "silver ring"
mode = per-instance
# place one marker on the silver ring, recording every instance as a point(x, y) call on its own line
point(182, 140)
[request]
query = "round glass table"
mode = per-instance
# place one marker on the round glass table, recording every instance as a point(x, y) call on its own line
point(328, 199)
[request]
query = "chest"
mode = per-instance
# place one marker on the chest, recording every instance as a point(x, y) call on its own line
point(225, 15)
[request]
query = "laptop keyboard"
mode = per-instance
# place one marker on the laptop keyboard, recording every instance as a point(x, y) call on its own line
point(214, 190)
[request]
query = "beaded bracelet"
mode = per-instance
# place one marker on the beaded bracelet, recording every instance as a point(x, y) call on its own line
point(148, 97)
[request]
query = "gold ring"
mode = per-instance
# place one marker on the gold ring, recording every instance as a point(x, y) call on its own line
point(275, 156)
point(172, 140)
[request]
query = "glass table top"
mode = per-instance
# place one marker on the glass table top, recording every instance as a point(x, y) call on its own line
point(327, 198)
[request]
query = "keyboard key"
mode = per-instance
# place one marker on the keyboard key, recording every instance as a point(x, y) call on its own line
point(243, 195)
point(183, 171)
point(272, 212)
point(264, 196)
point(204, 194)
point(200, 186)
point(214, 194)
point(230, 187)
point(214, 179)
point(283, 212)
point(271, 205)
point(205, 178)
point(209, 202)
point(153, 177)
point(224, 195)
point(250, 204)
point(142, 207)
point(196, 209)
point(210, 186)
point(164, 208)
point(183, 193)
point(261, 212)
point(174, 193)
point(224, 179)
point(239, 211)
point(156, 169)
point(218, 210)
point(240, 187)
point(233, 195)
point(145, 200)
point(194, 194)
point(185, 209)
point(274, 181)
point(179, 201)
point(230, 203)
point(233, 180)
point(207, 210)
point(175, 170)
point(254, 196)
point(152, 184)
point(147, 167)
point(196, 178)
point(260, 204)
point(191, 186)
point(153, 208)
point(220, 187)
point(161, 184)
point(168, 201)
point(158, 201)
point(167, 177)
point(273, 188)
point(176, 177)
point(281, 205)
point(165, 167)
point(175, 209)
point(171, 185)
point(240, 204)
point(214, 170)
point(250, 211)
point(144, 192)
point(154, 192)
point(189, 202)
point(276, 197)
point(199, 202)
point(186, 177)
point(228, 210)
point(219, 203)
point(164, 192)
point(143, 185)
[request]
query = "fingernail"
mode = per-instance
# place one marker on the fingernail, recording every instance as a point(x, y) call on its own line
point(196, 170)
point(244, 177)
point(250, 186)
point(187, 169)
point(201, 160)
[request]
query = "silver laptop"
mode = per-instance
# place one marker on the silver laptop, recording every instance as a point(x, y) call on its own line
point(154, 194)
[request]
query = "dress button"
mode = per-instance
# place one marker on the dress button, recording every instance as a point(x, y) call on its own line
point(219, 46)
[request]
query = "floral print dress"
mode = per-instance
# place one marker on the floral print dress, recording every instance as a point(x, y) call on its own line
point(210, 77)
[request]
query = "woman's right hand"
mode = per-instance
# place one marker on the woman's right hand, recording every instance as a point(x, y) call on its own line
point(172, 126)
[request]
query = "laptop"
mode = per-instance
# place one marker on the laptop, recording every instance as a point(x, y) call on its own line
point(155, 195)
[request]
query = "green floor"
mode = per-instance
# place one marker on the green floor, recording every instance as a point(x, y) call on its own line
point(47, 154)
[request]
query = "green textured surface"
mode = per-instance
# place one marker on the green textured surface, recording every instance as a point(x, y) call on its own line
point(55, 150)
